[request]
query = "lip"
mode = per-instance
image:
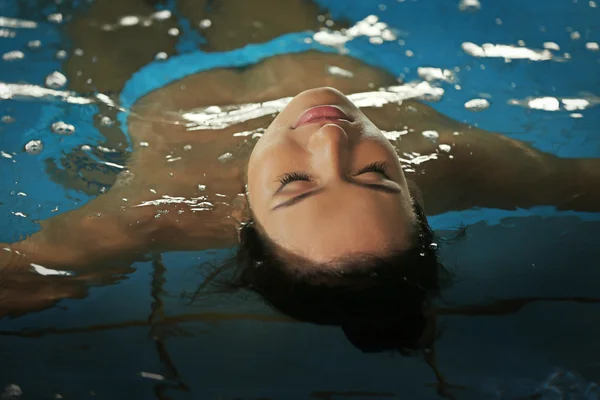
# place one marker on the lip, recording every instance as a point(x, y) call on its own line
point(320, 113)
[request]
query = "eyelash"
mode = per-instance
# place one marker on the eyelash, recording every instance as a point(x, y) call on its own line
point(378, 167)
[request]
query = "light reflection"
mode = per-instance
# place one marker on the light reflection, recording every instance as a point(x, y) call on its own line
point(377, 32)
point(394, 135)
point(508, 52)
point(548, 103)
point(49, 272)
point(214, 117)
point(432, 74)
point(165, 199)
point(416, 158)
point(17, 23)
point(16, 90)
point(133, 20)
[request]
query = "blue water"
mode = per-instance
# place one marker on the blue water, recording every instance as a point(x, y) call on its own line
point(523, 253)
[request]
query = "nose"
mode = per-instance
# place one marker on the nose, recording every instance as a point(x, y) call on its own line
point(329, 147)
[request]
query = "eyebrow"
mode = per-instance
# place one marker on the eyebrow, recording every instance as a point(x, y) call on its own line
point(371, 186)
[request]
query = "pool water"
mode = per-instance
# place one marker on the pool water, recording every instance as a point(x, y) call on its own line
point(140, 338)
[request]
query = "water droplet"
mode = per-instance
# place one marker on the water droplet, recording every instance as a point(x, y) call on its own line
point(13, 55)
point(61, 54)
point(431, 135)
point(34, 44)
point(225, 157)
point(409, 53)
point(187, 147)
point(422, 255)
point(201, 188)
point(433, 246)
point(85, 147)
point(62, 128)
point(7, 119)
point(143, 144)
point(445, 147)
point(179, 212)
point(173, 31)
point(129, 20)
point(469, 5)
point(34, 147)
point(56, 80)
point(78, 52)
point(106, 121)
point(162, 15)
point(161, 56)
point(11, 391)
point(593, 46)
point(57, 18)
point(205, 23)
point(477, 104)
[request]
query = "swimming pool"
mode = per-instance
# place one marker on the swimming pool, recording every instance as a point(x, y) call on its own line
point(111, 344)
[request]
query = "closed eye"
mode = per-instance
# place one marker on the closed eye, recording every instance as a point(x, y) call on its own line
point(379, 167)
point(290, 177)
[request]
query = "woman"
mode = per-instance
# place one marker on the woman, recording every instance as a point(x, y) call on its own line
point(319, 202)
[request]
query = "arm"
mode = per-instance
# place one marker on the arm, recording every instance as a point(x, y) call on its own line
point(484, 169)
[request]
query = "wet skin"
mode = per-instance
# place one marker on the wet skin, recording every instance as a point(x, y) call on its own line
point(106, 235)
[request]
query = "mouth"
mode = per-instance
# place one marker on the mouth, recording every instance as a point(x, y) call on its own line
point(320, 114)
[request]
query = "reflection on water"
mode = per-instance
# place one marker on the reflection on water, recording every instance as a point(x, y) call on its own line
point(63, 71)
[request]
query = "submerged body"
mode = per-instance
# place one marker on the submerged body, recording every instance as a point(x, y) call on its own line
point(185, 189)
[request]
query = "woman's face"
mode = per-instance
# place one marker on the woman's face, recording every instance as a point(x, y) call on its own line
point(324, 182)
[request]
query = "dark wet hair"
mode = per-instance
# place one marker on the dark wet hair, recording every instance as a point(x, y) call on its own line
point(380, 302)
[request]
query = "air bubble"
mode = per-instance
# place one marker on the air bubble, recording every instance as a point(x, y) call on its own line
point(56, 80)
point(62, 128)
point(34, 147)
